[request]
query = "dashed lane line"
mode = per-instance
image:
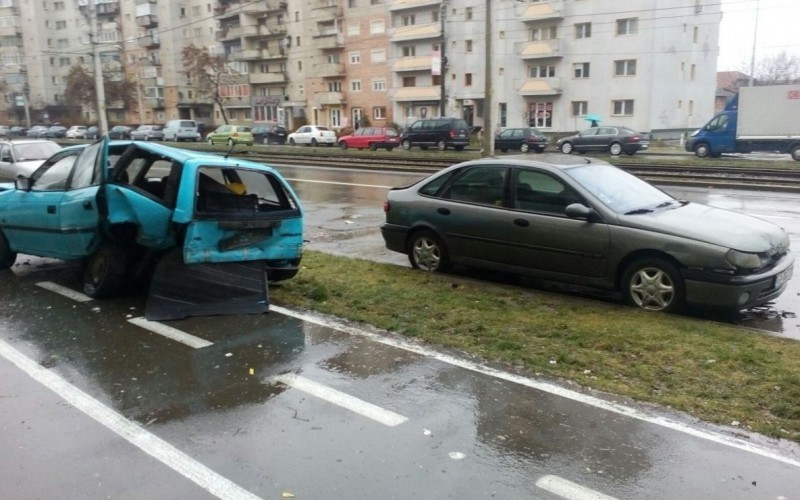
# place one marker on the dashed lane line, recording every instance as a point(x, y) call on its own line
point(567, 489)
point(171, 333)
point(204, 477)
point(64, 291)
point(339, 398)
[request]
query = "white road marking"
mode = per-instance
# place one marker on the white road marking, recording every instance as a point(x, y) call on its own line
point(151, 444)
point(171, 333)
point(545, 387)
point(337, 183)
point(64, 291)
point(568, 489)
point(338, 398)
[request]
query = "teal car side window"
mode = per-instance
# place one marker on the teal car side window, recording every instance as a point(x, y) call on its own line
point(54, 177)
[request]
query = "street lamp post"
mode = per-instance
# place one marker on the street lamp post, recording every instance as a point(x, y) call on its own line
point(98, 73)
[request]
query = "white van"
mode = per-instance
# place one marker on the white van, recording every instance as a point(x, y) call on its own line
point(181, 130)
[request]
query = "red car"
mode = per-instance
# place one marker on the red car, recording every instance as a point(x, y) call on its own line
point(372, 138)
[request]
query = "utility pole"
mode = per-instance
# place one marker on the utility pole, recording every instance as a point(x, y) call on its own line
point(488, 105)
point(753, 57)
point(98, 73)
point(443, 61)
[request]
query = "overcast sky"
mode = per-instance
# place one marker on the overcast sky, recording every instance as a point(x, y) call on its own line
point(778, 22)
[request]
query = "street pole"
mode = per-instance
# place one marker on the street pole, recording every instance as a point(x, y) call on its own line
point(26, 106)
point(98, 74)
point(488, 105)
point(753, 56)
point(442, 61)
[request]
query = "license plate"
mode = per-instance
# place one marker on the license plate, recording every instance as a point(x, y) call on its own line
point(783, 277)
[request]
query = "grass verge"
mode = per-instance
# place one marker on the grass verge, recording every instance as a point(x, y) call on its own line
point(714, 372)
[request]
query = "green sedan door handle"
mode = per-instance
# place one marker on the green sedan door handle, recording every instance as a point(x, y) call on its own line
point(51, 209)
point(87, 205)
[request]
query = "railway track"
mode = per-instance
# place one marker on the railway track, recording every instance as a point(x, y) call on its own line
point(755, 176)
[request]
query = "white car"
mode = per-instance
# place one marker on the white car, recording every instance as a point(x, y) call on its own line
point(312, 135)
point(76, 132)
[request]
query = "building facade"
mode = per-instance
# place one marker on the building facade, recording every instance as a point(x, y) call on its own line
point(646, 64)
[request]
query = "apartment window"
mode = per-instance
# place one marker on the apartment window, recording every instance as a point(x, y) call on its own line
point(297, 41)
point(375, 2)
point(335, 86)
point(629, 26)
point(695, 34)
point(625, 67)
point(61, 25)
point(435, 16)
point(407, 20)
point(376, 27)
point(409, 81)
point(545, 33)
point(355, 57)
point(468, 46)
point(379, 113)
point(58, 5)
point(468, 13)
point(299, 65)
point(583, 30)
point(468, 79)
point(579, 108)
point(353, 29)
point(622, 107)
point(195, 11)
point(378, 55)
point(355, 85)
point(580, 70)
point(540, 114)
point(336, 117)
point(542, 71)
point(352, 3)
point(409, 51)
point(379, 85)
point(693, 72)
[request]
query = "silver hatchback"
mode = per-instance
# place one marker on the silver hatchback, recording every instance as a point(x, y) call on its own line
point(586, 222)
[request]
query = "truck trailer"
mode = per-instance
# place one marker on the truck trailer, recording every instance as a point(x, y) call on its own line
point(762, 119)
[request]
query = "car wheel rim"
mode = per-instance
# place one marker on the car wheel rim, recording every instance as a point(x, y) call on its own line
point(566, 148)
point(427, 254)
point(616, 149)
point(524, 148)
point(652, 289)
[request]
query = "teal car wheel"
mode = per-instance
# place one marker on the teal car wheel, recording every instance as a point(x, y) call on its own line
point(7, 257)
point(105, 271)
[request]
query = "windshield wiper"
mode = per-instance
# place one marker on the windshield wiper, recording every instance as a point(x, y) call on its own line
point(639, 211)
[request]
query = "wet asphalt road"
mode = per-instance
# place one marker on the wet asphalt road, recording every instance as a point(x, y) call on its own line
point(284, 405)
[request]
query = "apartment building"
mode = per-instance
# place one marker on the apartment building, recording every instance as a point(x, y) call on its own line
point(647, 64)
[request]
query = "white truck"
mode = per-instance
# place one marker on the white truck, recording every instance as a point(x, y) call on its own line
point(763, 119)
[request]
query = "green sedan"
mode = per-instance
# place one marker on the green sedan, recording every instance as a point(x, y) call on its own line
point(230, 135)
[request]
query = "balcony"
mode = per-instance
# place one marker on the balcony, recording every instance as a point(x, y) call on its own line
point(264, 78)
point(328, 70)
point(327, 10)
point(329, 40)
point(419, 63)
point(430, 93)
point(540, 11)
point(260, 8)
point(147, 21)
point(539, 86)
point(11, 31)
point(416, 32)
point(150, 41)
point(329, 98)
point(108, 8)
point(396, 5)
point(539, 50)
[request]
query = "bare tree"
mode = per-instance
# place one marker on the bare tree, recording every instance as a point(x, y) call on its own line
point(208, 74)
point(777, 69)
point(82, 93)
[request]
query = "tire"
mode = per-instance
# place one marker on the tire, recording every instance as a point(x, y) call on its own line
point(210, 141)
point(313, 142)
point(406, 144)
point(504, 150)
point(566, 148)
point(427, 252)
point(265, 140)
point(615, 148)
point(795, 152)
point(525, 147)
point(653, 284)
point(105, 271)
point(231, 142)
point(702, 150)
point(343, 145)
point(291, 142)
point(7, 257)
point(146, 138)
point(373, 147)
point(458, 148)
point(389, 148)
point(441, 144)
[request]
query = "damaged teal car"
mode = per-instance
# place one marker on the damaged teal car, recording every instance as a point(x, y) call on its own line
point(204, 232)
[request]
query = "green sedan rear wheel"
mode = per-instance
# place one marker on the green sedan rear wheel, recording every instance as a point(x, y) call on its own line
point(427, 252)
